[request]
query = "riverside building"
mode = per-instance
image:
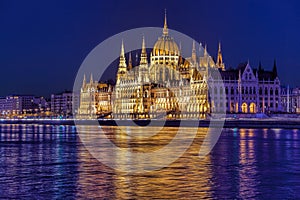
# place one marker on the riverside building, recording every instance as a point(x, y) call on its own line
point(169, 86)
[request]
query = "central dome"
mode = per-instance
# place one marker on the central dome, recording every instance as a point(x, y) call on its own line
point(165, 45)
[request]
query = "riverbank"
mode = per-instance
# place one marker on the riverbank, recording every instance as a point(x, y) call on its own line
point(287, 123)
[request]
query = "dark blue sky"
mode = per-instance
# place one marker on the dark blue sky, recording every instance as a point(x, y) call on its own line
point(42, 43)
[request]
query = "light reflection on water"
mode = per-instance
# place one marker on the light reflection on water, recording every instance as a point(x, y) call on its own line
point(46, 161)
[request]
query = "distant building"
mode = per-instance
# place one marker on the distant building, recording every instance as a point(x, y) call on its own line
point(290, 99)
point(2, 105)
point(41, 104)
point(17, 104)
point(61, 104)
point(76, 101)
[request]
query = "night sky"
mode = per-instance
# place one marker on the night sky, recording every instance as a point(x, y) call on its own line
point(43, 43)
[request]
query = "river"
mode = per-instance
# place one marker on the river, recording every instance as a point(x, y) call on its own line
point(51, 162)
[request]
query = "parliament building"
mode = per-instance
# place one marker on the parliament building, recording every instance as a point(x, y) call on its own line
point(170, 86)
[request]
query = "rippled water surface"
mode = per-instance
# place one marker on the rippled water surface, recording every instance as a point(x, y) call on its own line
point(46, 161)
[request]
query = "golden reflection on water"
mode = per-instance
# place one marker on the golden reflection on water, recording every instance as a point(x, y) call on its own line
point(187, 175)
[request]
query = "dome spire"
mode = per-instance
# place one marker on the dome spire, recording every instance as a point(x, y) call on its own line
point(122, 49)
point(165, 31)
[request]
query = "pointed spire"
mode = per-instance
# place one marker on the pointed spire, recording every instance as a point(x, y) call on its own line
point(143, 46)
point(165, 31)
point(122, 56)
point(144, 53)
point(91, 79)
point(194, 55)
point(122, 49)
point(194, 46)
point(84, 81)
point(122, 64)
point(130, 62)
point(205, 50)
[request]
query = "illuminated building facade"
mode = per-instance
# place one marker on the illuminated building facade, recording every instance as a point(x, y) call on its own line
point(169, 86)
point(247, 90)
point(95, 99)
point(14, 105)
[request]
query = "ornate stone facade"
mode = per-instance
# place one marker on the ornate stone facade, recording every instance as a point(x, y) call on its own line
point(246, 90)
point(170, 86)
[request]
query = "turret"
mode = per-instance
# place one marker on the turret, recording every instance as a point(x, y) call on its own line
point(220, 63)
point(129, 62)
point(205, 51)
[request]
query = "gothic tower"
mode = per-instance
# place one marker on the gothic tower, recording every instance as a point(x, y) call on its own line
point(122, 64)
